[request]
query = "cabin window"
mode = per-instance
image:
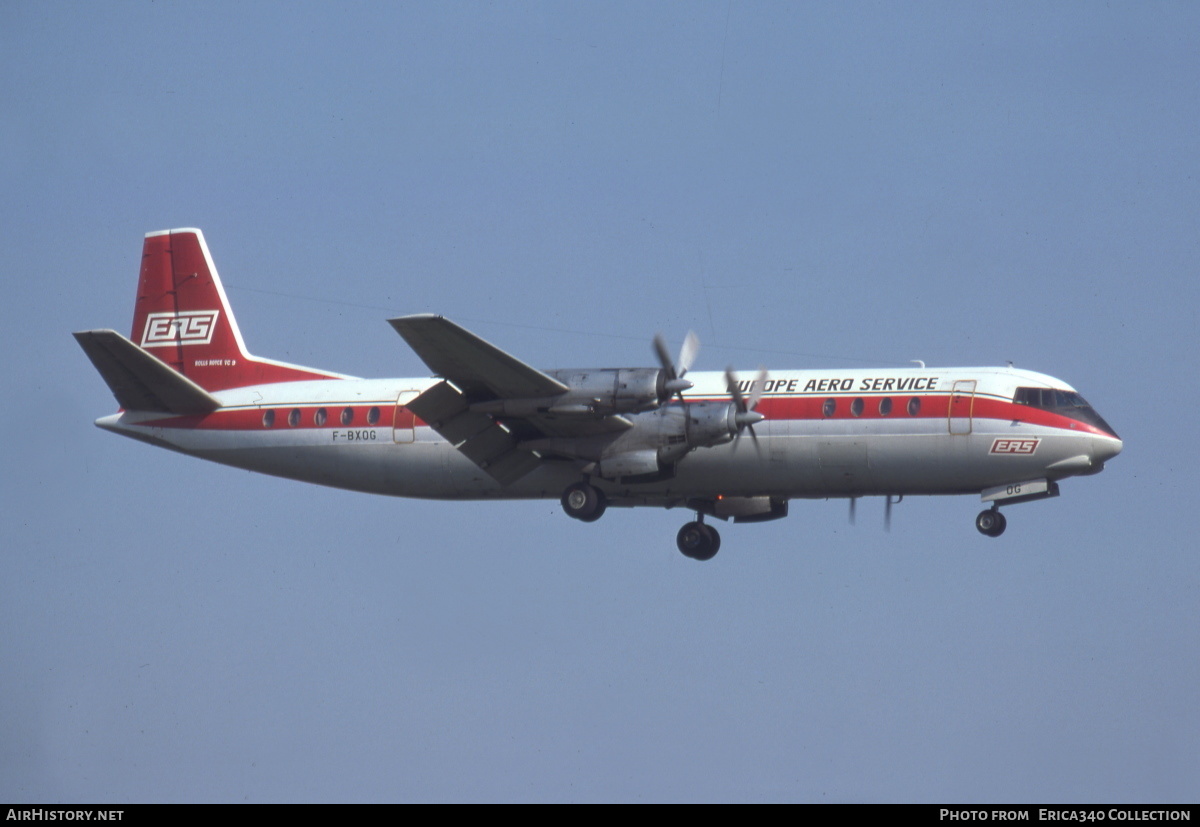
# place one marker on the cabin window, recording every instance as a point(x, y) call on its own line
point(320, 417)
point(856, 407)
point(373, 416)
point(885, 406)
point(294, 418)
point(830, 407)
point(268, 418)
point(347, 415)
point(914, 406)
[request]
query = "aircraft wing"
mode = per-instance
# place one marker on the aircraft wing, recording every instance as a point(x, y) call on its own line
point(478, 373)
point(471, 363)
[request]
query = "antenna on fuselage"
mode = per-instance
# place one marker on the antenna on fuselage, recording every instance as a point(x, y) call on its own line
point(918, 362)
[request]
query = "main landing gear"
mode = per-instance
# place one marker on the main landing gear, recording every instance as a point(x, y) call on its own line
point(991, 523)
point(698, 541)
point(584, 501)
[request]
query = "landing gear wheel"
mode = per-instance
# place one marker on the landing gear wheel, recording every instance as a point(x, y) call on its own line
point(991, 523)
point(698, 541)
point(583, 502)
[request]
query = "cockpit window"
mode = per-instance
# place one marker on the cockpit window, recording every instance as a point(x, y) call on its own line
point(1066, 403)
point(1049, 399)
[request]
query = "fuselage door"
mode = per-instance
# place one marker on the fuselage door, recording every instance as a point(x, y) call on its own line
point(403, 420)
point(962, 406)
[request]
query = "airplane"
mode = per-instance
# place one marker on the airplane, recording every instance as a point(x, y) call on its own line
point(487, 426)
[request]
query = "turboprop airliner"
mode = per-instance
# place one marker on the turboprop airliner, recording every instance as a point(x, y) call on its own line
point(486, 425)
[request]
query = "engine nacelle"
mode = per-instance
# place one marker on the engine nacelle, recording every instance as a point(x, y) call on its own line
point(667, 435)
point(658, 439)
point(630, 464)
point(599, 392)
point(710, 423)
point(612, 390)
point(743, 509)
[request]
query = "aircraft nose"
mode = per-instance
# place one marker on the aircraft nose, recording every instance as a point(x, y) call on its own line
point(1105, 448)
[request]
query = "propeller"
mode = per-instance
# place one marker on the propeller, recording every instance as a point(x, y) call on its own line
point(888, 502)
point(887, 509)
point(675, 371)
point(745, 417)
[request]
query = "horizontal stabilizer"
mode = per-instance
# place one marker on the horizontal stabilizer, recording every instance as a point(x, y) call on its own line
point(139, 381)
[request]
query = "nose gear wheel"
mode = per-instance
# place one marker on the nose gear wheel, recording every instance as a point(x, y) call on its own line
point(698, 541)
point(991, 523)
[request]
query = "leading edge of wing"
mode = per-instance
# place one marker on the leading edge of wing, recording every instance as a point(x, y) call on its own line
point(470, 362)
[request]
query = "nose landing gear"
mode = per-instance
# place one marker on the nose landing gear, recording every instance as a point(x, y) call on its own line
point(698, 541)
point(991, 523)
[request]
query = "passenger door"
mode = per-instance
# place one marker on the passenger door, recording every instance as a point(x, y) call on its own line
point(962, 406)
point(403, 420)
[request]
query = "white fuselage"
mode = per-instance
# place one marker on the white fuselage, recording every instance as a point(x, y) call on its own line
point(826, 433)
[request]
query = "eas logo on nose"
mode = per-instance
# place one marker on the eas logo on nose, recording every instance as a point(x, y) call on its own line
point(191, 327)
point(1015, 446)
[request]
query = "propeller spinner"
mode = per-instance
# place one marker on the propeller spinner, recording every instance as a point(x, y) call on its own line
point(675, 371)
point(745, 416)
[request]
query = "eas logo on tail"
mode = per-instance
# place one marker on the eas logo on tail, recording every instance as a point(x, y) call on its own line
point(191, 327)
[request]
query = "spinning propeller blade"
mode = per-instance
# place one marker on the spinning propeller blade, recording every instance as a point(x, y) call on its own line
point(745, 416)
point(675, 371)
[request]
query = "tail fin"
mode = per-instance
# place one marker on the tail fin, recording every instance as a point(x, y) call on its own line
point(182, 317)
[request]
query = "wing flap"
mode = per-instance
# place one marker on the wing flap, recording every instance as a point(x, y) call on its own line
point(487, 445)
point(461, 427)
point(496, 452)
point(478, 436)
point(438, 404)
point(510, 467)
point(139, 381)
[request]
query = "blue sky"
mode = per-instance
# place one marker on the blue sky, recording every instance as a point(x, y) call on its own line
point(806, 186)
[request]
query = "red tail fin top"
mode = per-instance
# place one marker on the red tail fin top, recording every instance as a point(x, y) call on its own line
point(182, 316)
